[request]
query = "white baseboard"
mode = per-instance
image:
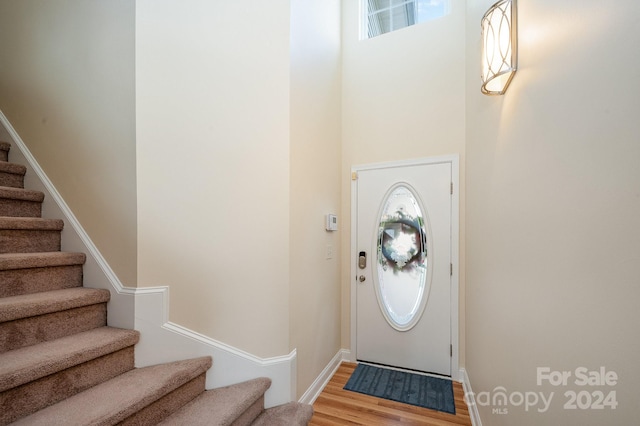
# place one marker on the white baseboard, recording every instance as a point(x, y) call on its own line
point(470, 398)
point(146, 309)
point(321, 381)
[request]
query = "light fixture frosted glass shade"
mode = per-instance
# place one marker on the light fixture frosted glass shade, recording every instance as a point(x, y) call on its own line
point(499, 47)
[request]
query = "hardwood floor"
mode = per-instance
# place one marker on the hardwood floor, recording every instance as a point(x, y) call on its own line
point(336, 406)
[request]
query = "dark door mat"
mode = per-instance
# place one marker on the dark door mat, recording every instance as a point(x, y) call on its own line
point(409, 388)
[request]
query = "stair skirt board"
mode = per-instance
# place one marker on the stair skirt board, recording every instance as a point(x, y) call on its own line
point(230, 366)
point(146, 309)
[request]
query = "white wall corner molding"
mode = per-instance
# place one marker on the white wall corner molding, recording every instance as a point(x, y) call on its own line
point(162, 341)
point(97, 272)
point(312, 393)
point(470, 398)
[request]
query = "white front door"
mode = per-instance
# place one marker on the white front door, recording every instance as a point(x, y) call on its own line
point(403, 271)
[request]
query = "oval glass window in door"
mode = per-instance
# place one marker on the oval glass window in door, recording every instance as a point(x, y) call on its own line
point(402, 281)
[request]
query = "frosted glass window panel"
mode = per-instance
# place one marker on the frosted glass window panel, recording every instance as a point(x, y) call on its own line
point(402, 262)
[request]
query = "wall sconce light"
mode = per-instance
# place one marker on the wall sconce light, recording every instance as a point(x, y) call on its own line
point(499, 47)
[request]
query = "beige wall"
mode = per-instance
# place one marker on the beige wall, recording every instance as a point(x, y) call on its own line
point(315, 185)
point(403, 98)
point(238, 162)
point(67, 87)
point(212, 85)
point(553, 210)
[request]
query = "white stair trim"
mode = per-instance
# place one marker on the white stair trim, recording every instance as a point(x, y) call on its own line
point(146, 309)
point(163, 341)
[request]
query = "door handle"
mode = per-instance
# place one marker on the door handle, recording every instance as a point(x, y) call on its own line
point(361, 278)
point(362, 260)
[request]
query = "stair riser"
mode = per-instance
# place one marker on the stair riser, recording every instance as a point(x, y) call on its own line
point(12, 180)
point(167, 405)
point(33, 280)
point(20, 208)
point(31, 397)
point(28, 241)
point(42, 328)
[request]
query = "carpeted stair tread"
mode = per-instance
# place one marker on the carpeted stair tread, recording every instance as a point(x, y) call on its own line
point(28, 305)
point(30, 223)
point(121, 397)
point(40, 260)
point(33, 272)
point(221, 406)
point(291, 414)
point(33, 362)
point(30, 234)
point(19, 202)
point(13, 168)
point(12, 175)
point(21, 194)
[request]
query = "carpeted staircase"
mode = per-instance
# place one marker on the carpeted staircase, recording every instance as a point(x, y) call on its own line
point(60, 364)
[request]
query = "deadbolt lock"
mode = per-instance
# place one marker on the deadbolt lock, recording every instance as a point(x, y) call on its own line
point(362, 260)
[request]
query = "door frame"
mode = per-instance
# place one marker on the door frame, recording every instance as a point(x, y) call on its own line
point(454, 161)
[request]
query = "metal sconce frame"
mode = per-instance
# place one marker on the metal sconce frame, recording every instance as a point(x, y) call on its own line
point(499, 47)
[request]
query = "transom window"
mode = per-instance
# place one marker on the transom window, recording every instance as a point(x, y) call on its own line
point(383, 16)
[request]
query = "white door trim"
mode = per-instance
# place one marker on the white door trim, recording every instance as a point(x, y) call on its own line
point(455, 248)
